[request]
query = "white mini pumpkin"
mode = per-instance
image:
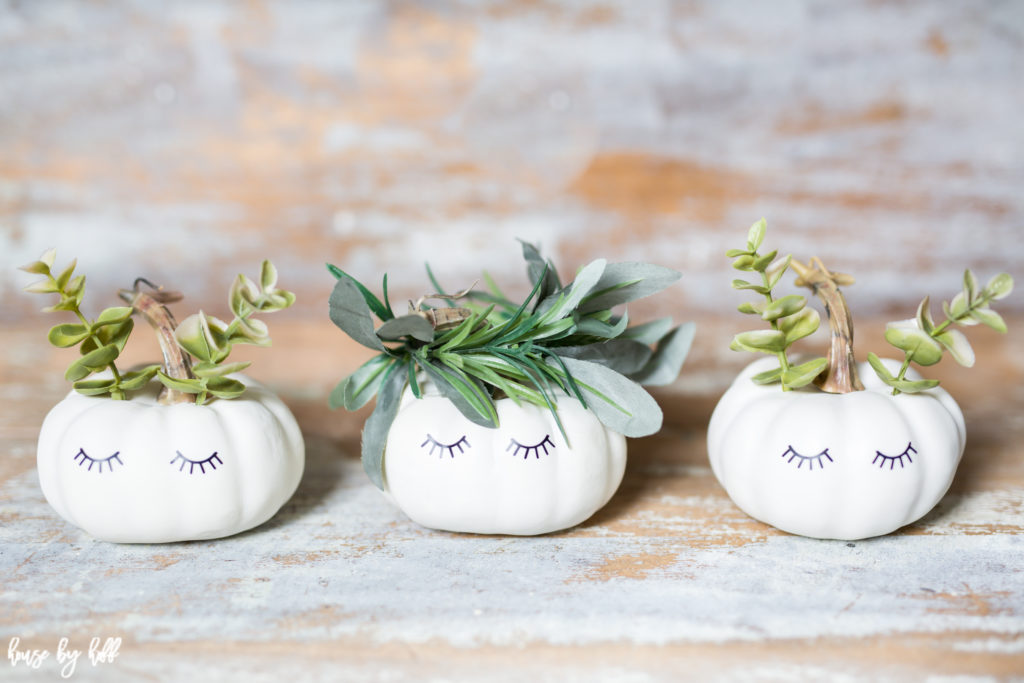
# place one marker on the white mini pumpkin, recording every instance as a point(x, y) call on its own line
point(522, 478)
point(843, 466)
point(136, 471)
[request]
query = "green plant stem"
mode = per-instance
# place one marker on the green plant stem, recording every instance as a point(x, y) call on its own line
point(116, 394)
point(783, 360)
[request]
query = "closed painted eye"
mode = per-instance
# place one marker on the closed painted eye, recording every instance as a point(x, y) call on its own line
point(436, 445)
point(518, 448)
point(210, 462)
point(810, 460)
point(81, 457)
point(881, 458)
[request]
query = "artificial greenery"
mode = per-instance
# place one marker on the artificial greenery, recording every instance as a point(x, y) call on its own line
point(788, 316)
point(208, 339)
point(923, 342)
point(560, 340)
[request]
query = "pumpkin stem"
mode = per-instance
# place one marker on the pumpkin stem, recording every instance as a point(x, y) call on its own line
point(840, 377)
point(176, 361)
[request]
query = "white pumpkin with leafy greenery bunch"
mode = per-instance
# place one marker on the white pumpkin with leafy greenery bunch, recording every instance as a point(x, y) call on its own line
point(503, 418)
point(830, 456)
point(185, 451)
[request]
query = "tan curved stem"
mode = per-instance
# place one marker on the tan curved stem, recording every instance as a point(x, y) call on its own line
point(840, 377)
point(176, 361)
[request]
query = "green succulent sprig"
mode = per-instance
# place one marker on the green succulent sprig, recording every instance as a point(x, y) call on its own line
point(560, 340)
point(924, 343)
point(787, 316)
point(100, 341)
point(210, 339)
point(206, 338)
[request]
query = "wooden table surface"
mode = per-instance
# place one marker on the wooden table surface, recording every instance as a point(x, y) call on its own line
point(670, 581)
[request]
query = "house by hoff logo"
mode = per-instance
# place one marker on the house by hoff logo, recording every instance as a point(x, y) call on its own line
point(100, 652)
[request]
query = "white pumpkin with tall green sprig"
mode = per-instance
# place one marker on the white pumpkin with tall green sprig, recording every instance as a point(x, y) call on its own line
point(505, 418)
point(830, 456)
point(208, 454)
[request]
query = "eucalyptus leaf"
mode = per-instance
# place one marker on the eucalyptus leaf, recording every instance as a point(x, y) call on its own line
point(625, 356)
point(643, 279)
point(596, 328)
point(752, 307)
point(765, 341)
point(987, 316)
point(787, 305)
point(924, 316)
point(112, 316)
point(755, 236)
point(136, 379)
point(743, 284)
point(116, 334)
point(188, 386)
point(412, 325)
point(799, 325)
point(94, 387)
point(649, 332)
point(906, 336)
point(268, 276)
point(908, 386)
point(350, 312)
point(958, 346)
point(371, 301)
point(47, 286)
point(879, 367)
point(971, 288)
point(619, 403)
point(208, 369)
point(91, 362)
point(586, 280)
point(225, 387)
point(958, 307)
point(1000, 286)
point(538, 269)
point(68, 334)
point(761, 263)
point(666, 362)
point(743, 262)
point(803, 374)
point(768, 376)
point(65, 275)
point(733, 253)
point(375, 431)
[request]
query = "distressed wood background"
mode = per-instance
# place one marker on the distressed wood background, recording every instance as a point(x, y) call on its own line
point(186, 142)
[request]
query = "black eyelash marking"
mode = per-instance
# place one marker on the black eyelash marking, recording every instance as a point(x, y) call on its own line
point(81, 457)
point(436, 445)
point(892, 459)
point(193, 464)
point(526, 450)
point(809, 459)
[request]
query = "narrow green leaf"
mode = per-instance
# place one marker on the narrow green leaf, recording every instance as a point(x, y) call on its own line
point(924, 316)
point(733, 253)
point(268, 276)
point(65, 275)
point(375, 432)
point(350, 312)
point(971, 289)
point(752, 307)
point(47, 286)
point(909, 386)
point(541, 272)
point(880, 369)
point(189, 386)
point(136, 379)
point(586, 280)
point(357, 389)
point(371, 301)
point(743, 284)
point(761, 263)
point(225, 387)
point(768, 376)
point(414, 383)
point(94, 387)
point(472, 400)
point(777, 270)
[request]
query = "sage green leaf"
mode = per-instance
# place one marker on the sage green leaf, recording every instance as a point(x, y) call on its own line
point(765, 341)
point(755, 236)
point(68, 334)
point(371, 301)
point(539, 270)
point(879, 367)
point(117, 334)
point(36, 268)
point(958, 346)
point(625, 356)
point(787, 305)
point(732, 253)
point(906, 336)
point(47, 286)
point(621, 283)
point(375, 431)
point(112, 316)
point(761, 263)
point(743, 284)
point(188, 386)
point(971, 289)
point(618, 402)
point(768, 376)
point(209, 369)
point(357, 389)
point(596, 328)
point(649, 332)
point(752, 307)
point(803, 374)
point(743, 263)
point(136, 379)
point(94, 387)
point(1000, 286)
point(350, 312)
point(777, 270)
point(75, 290)
point(65, 275)
point(225, 387)
point(412, 325)
point(556, 308)
point(195, 336)
point(909, 386)
point(667, 360)
point(91, 362)
point(958, 307)
point(987, 316)
point(924, 316)
point(799, 325)
point(242, 297)
point(249, 331)
point(268, 276)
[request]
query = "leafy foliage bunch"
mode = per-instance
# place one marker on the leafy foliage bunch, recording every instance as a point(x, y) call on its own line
point(561, 340)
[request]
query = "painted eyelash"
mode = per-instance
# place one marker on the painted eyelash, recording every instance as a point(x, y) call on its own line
point(436, 445)
point(809, 459)
point(892, 459)
point(193, 464)
point(81, 457)
point(545, 442)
